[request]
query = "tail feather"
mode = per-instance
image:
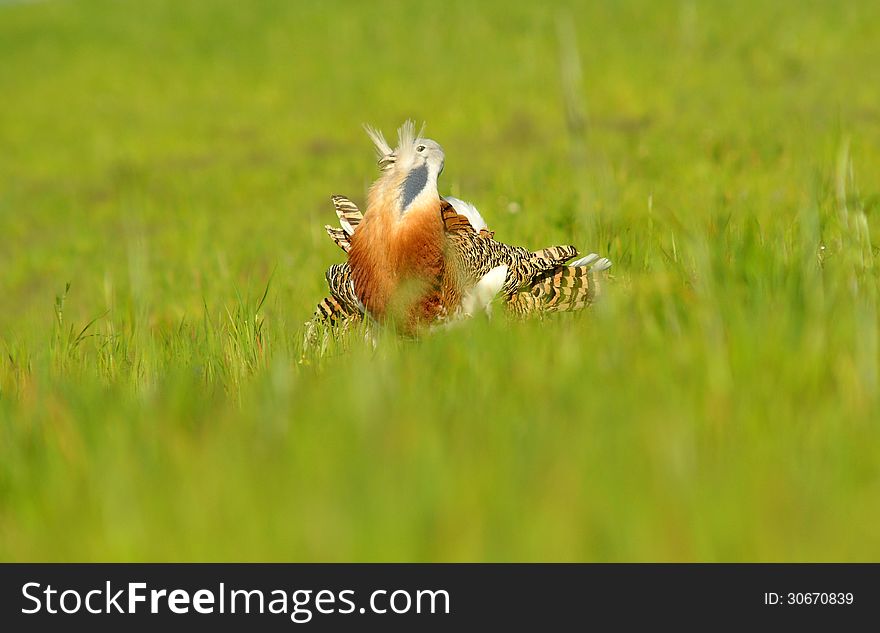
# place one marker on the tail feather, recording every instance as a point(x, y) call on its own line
point(330, 310)
point(556, 254)
point(347, 212)
point(339, 236)
point(349, 217)
point(593, 261)
point(563, 289)
point(342, 304)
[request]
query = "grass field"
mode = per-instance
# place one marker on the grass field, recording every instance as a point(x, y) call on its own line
point(172, 160)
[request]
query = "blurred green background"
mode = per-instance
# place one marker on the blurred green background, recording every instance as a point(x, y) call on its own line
point(171, 159)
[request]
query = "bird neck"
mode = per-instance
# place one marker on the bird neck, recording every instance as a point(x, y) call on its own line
point(401, 194)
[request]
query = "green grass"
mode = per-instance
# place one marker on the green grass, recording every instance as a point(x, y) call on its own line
point(173, 160)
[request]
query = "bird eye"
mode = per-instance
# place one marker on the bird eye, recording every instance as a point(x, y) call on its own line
point(420, 148)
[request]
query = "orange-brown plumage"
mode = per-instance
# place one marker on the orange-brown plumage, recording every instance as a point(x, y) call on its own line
point(397, 263)
point(397, 255)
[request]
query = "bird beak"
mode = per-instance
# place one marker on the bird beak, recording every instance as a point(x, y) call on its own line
point(387, 161)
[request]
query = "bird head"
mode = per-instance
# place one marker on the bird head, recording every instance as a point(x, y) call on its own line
point(410, 170)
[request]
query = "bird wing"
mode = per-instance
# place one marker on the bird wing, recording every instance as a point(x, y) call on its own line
point(470, 212)
point(339, 236)
point(565, 288)
point(537, 281)
point(477, 254)
point(347, 212)
point(349, 217)
point(342, 304)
